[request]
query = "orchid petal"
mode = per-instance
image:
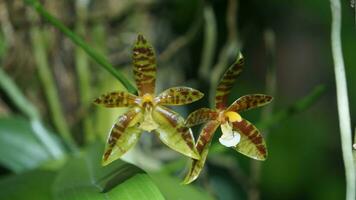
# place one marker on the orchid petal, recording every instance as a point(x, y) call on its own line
point(225, 85)
point(202, 146)
point(200, 116)
point(116, 99)
point(178, 96)
point(144, 66)
point(250, 101)
point(252, 143)
point(123, 135)
point(173, 133)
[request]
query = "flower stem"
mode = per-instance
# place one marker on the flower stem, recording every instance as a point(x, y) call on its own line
point(229, 50)
point(271, 89)
point(49, 87)
point(83, 72)
point(297, 107)
point(210, 35)
point(342, 99)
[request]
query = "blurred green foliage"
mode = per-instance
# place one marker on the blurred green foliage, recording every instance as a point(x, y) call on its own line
point(14, 154)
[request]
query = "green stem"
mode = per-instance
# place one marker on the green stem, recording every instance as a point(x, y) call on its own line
point(101, 117)
point(228, 51)
point(271, 75)
point(342, 99)
point(183, 40)
point(354, 145)
point(354, 148)
point(83, 72)
point(17, 97)
point(297, 107)
point(210, 34)
point(49, 87)
point(271, 88)
point(80, 42)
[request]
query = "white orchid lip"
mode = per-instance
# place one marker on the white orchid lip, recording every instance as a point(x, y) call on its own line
point(229, 138)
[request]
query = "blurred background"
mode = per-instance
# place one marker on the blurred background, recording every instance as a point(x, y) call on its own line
point(48, 84)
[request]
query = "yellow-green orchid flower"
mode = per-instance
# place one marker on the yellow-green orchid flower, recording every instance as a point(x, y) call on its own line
point(237, 132)
point(146, 111)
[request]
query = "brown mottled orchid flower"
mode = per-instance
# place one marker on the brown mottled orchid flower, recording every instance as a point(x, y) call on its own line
point(146, 111)
point(237, 132)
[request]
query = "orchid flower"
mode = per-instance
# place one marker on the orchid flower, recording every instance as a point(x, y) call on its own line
point(237, 132)
point(146, 111)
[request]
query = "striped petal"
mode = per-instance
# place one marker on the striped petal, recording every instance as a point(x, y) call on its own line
point(251, 143)
point(201, 116)
point(173, 133)
point(144, 63)
point(178, 96)
point(202, 146)
point(123, 135)
point(224, 88)
point(248, 102)
point(116, 99)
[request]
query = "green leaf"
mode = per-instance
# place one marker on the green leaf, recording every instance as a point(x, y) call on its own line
point(27, 108)
point(20, 150)
point(30, 185)
point(84, 178)
point(172, 188)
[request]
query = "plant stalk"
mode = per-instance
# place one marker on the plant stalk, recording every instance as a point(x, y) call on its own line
point(229, 50)
point(297, 107)
point(271, 89)
point(49, 86)
point(342, 99)
point(210, 34)
point(83, 73)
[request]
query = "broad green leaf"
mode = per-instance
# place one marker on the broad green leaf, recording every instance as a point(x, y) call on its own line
point(20, 150)
point(84, 178)
point(32, 185)
point(172, 188)
point(12, 91)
